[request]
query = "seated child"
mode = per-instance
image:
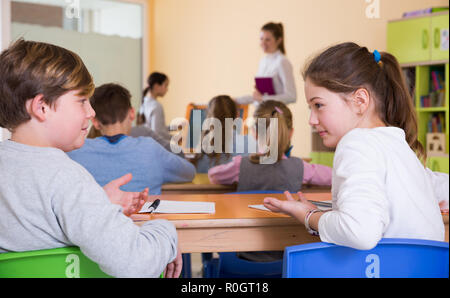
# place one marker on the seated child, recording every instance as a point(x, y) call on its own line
point(223, 107)
point(114, 154)
point(151, 113)
point(47, 199)
point(286, 173)
point(361, 106)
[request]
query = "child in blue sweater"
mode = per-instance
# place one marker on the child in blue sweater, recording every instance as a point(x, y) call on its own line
point(115, 154)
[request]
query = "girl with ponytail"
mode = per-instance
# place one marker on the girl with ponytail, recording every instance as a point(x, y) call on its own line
point(151, 113)
point(361, 106)
point(273, 168)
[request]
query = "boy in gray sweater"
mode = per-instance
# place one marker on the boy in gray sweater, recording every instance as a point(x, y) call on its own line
point(46, 199)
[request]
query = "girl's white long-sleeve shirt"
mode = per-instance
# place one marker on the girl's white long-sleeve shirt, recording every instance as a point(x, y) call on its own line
point(278, 67)
point(380, 189)
point(154, 117)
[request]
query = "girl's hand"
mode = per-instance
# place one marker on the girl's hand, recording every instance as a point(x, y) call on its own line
point(257, 95)
point(291, 206)
point(131, 202)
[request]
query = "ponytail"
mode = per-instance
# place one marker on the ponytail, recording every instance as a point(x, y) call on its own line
point(397, 109)
point(145, 93)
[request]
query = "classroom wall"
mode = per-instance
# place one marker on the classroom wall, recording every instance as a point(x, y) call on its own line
point(211, 47)
point(108, 58)
point(4, 37)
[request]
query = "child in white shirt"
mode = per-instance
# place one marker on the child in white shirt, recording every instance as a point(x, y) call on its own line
point(380, 188)
point(151, 113)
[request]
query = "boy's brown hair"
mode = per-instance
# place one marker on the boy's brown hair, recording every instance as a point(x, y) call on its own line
point(111, 103)
point(29, 68)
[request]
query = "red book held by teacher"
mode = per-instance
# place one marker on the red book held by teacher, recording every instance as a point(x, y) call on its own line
point(265, 85)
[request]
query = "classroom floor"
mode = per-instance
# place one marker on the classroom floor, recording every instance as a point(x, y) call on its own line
point(196, 264)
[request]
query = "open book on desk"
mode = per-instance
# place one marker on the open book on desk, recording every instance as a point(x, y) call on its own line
point(178, 207)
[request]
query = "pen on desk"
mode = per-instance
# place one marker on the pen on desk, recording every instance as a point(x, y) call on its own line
point(153, 206)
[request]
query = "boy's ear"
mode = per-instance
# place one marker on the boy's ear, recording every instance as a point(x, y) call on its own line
point(96, 123)
point(361, 99)
point(132, 114)
point(37, 108)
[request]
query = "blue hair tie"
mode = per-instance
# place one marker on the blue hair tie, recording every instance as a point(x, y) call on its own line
point(377, 56)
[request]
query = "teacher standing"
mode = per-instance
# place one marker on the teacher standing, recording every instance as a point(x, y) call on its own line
point(274, 65)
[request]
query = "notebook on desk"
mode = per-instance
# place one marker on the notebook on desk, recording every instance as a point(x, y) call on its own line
point(265, 85)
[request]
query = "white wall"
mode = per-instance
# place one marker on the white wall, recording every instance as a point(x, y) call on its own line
point(124, 20)
point(5, 18)
point(109, 59)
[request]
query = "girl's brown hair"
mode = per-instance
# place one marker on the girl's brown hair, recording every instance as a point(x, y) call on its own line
point(277, 31)
point(347, 67)
point(274, 109)
point(220, 107)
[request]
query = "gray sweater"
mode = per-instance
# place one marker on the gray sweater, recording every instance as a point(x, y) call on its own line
point(49, 201)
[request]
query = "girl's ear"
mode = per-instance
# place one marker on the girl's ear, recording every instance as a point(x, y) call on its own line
point(37, 108)
point(361, 100)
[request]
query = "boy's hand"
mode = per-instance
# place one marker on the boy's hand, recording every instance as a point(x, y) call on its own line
point(173, 270)
point(131, 202)
point(291, 206)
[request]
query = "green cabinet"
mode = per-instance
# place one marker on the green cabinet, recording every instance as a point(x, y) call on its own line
point(418, 39)
point(438, 164)
point(439, 30)
point(409, 41)
point(418, 44)
point(322, 158)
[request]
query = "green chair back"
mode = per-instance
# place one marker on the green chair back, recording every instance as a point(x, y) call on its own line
point(65, 262)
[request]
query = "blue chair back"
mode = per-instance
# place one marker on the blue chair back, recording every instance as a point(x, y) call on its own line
point(391, 258)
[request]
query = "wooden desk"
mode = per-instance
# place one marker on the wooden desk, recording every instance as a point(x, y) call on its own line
point(201, 185)
point(236, 227)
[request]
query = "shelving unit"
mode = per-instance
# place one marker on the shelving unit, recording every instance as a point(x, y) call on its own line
point(418, 44)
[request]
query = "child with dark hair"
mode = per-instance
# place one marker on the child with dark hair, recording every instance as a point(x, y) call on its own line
point(151, 113)
point(115, 153)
